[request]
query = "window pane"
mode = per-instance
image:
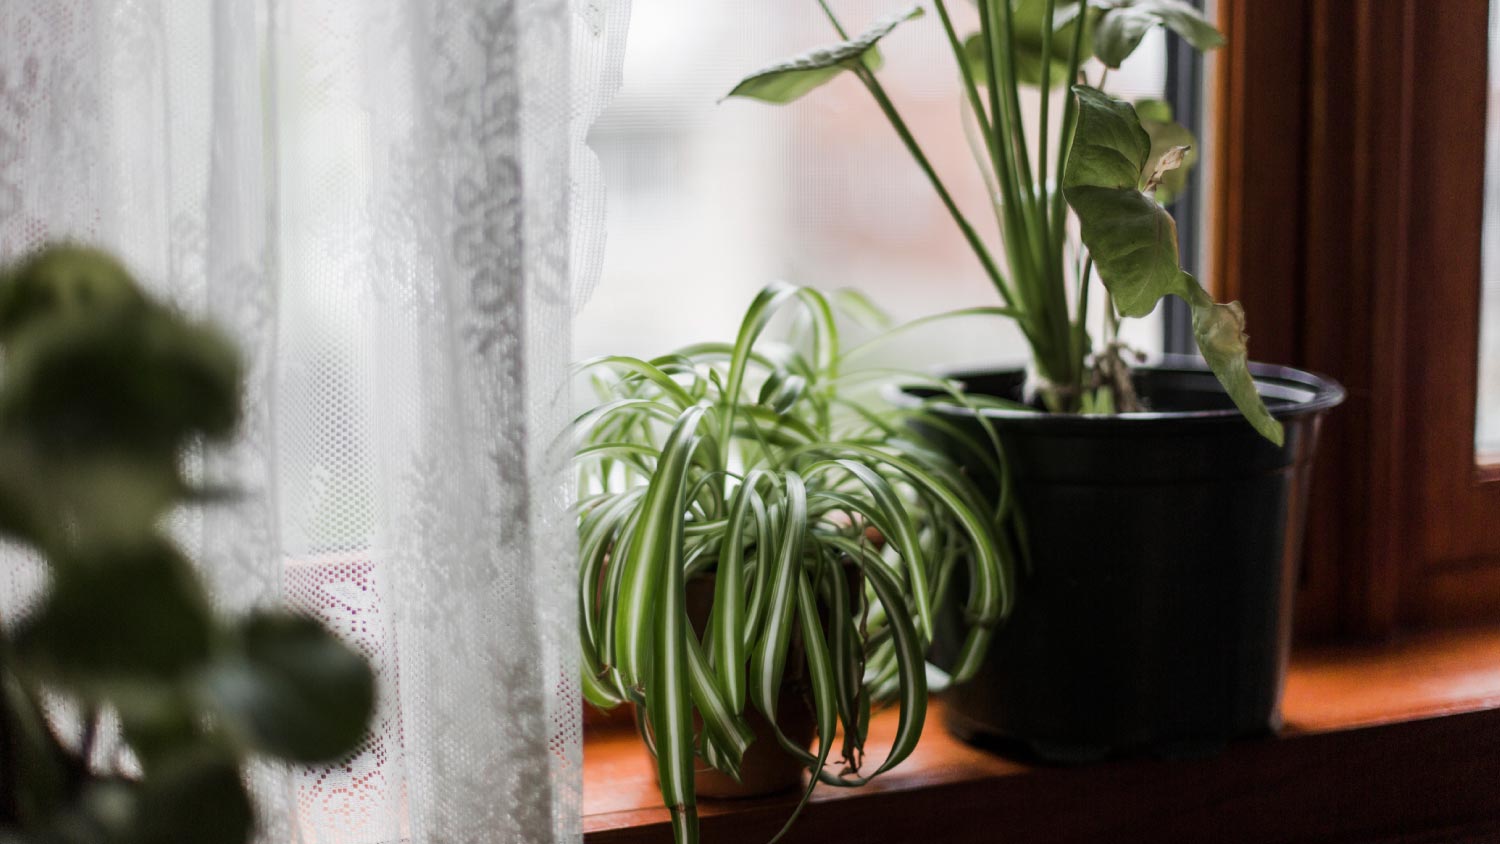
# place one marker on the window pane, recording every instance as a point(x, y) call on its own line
point(1487, 425)
point(708, 202)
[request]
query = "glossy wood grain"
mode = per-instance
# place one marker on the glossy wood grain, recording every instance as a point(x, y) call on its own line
point(1380, 744)
point(1348, 222)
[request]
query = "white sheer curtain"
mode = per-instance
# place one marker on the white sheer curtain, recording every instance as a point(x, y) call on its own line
point(375, 197)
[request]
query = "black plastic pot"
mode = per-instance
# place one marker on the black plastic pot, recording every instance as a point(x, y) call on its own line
point(1156, 611)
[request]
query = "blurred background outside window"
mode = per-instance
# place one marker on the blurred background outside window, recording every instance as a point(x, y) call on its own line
point(1487, 427)
point(710, 201)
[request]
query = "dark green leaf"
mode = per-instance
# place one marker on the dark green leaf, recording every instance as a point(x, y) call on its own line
point(119, 616)
point(105, 811)
point(195, 798)
point(158, 727)
point(64, 281)
point(137, 383)
point(292, 689)
point(791, 79)
point(781, 391)
point(40, 761)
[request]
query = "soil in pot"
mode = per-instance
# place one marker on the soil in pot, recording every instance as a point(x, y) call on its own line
point(1155, 613)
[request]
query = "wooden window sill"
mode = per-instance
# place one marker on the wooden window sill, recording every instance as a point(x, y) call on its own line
point(1392, 743)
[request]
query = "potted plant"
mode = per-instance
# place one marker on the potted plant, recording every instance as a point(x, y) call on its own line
point(756, 539)
point(104, 390)
point(1163, 531)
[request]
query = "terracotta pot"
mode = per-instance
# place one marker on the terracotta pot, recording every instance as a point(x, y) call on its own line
point(766, 768)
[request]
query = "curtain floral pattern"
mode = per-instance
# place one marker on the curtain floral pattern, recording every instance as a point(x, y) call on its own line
point(390, 205)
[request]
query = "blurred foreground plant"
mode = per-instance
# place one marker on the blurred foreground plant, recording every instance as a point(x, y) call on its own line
point(102, 393)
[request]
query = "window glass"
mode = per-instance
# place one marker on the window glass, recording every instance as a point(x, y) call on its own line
point(1487, 425)
point(710, 201)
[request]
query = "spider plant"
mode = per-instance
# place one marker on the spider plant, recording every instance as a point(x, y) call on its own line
point(768, 466)
point(1088, 200)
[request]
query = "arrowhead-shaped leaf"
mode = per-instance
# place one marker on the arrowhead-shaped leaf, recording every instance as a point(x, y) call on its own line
point(1123, 25)
point(789, 80)
point(1132, 239)
point(1133, 242)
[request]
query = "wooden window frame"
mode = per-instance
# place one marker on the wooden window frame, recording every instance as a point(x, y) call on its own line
point(1346, 216)
point(1348, 221)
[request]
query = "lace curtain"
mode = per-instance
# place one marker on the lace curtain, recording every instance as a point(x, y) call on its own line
point(389, 204)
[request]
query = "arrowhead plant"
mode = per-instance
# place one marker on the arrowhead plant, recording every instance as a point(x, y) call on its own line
point(1090, 200)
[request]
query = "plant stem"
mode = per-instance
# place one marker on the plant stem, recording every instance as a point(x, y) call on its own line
point(877, 91)
point(977, 244)
point(1013, 89)
point(1051, 248)
point(1059, 211)
point(970, 87)
point(1017, 250)
point(1080, 324)
point(1015, 229)
point(1065, 133)
point(837, 27)
point(1046, 92)
point(986, 129)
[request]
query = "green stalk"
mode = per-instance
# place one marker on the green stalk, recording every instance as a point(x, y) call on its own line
point(1065, 136)
point(1080, 327)
point(837, 27)
point(986, 130)
point(977, 244)
point(971, 88)
point(889, 109)
point(1013, 89)
point(1057, 308)
point(1047, 329)
point(1076, 371)
point(1017, 238)
point(1046, 93)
